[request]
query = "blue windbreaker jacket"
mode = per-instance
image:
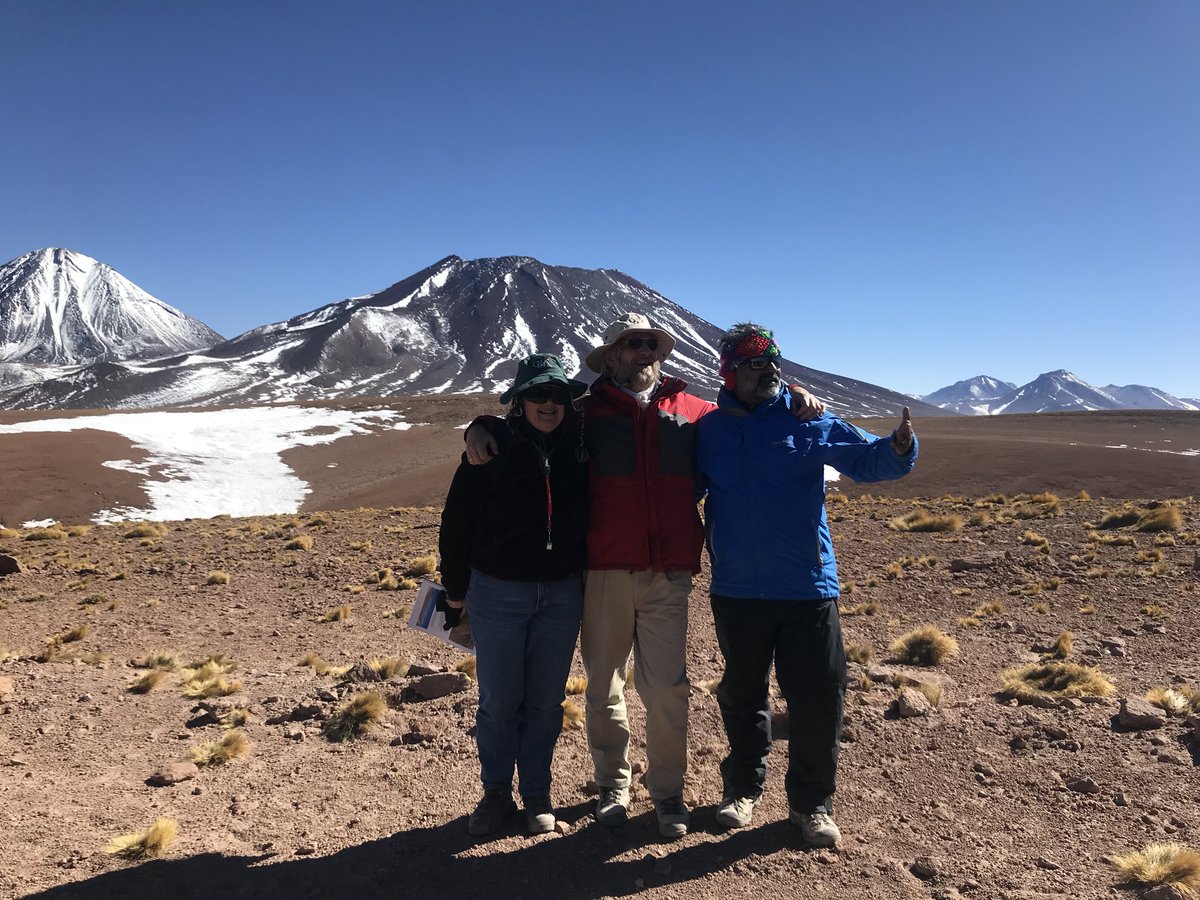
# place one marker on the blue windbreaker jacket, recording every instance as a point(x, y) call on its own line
point(764, 512)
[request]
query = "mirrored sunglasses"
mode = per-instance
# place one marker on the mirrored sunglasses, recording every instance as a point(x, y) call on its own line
point(637, 343)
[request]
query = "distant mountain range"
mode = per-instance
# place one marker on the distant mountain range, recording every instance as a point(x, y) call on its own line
point(1058, 391)
point(453, 327)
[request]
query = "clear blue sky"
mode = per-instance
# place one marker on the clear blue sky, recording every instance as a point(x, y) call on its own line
point(909, 192)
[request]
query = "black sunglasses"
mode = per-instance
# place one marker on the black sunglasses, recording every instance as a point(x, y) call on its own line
point(541, 395)
point(761, 362)
point(636, 343)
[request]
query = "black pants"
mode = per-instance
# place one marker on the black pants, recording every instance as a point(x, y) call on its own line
point(804, 639)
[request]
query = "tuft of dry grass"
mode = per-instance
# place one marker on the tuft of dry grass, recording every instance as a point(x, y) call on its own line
point(1037, 506)
point(229, 746)
point(1033, 539)
point(1164, 518)
point(931, 690)
point(924, 646)
point(355, 717)
point(980, 519)
point(577, 684)
point(1170, 701)
point(145, 530)
point(391, 667)
point(1053, 679)
point(159, 659)
point(924, 520)
point(45, 534)
point(859, 653)
point(572, 716)
point(1172, 864)
point(216, 686)
point(217, 577)
point(235, 718)
point(466, 665)
point(1062, 646)
point(148, 682)
point(145, 844)
point(337, 614)
point(1083, 495)
point(866, 608)
point(707, 685)
point(1120, 518)
point(299, 542)
point(422, 565)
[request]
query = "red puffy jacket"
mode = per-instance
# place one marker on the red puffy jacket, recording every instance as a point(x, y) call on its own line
point(642, 488)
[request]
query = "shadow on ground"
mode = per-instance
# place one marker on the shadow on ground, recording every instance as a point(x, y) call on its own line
point(428, 862)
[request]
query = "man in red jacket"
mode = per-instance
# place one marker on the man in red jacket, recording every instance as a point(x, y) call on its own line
point(644, 540)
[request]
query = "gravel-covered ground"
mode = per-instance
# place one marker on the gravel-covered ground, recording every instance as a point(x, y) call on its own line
point(980, 797)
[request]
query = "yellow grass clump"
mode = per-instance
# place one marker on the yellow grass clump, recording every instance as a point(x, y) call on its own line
point(866, 608)
point(1120, 518)
point(1170, 701)
point(859, 653)
point(1053, 679)
point(53, 533)
point(1172, 864)
point(1162, 519)
point(1033, 539)
point(572, 716)
point(576, 685)
point(924, 520)
point(707, 685)
point(299, 542)
point(924, 646)
point(148, 682)
point(337, 614)
point(466, 665)
point(422, 565)
point(214, 753)
point(145, 530)
point(1062, 646)
point(145, 844)
point(217, 577)
point(159, 659)
point(1037, 506)
point(388, 668)
point(355, 717)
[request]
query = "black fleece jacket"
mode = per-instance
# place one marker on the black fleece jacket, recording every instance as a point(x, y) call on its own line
point(496, 514)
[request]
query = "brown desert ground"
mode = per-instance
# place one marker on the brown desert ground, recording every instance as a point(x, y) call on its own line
point(950, 785)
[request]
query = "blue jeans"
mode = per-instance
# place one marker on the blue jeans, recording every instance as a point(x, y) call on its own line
point(524, 633)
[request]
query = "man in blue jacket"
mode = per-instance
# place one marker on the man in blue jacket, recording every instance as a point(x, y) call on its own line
point(774, 577)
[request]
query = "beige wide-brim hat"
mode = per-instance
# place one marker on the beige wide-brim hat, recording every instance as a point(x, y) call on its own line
point(617, 329)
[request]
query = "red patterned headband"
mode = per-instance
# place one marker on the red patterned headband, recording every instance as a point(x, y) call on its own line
point(757, 343)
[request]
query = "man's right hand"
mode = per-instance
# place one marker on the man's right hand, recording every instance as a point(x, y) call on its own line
point(481, 446)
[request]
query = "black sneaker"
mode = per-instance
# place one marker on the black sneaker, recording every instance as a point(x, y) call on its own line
point(490, 813)
point(539, 814)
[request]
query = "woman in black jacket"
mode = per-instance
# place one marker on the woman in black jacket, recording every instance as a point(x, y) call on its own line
point(513, 548)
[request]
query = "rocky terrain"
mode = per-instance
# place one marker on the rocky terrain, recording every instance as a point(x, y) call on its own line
point(976, 795)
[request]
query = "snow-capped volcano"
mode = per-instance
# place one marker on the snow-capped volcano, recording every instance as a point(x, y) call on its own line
point(1140, 396)
point(971, 396)
point(1057, 391)
point(59, 307)
point(454, 327)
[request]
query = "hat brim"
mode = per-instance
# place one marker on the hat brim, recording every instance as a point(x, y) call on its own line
point(595, 359)
point(577, 388)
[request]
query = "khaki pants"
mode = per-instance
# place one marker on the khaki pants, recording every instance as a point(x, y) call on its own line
point(645, 612)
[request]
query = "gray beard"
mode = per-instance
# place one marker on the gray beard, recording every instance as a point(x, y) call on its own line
point(642, 379)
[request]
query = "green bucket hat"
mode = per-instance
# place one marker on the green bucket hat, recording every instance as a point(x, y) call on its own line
point(542, 368)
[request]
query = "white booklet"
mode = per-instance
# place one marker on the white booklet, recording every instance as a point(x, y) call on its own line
point(426, 617)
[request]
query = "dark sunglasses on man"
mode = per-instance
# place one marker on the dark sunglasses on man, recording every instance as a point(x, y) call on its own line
point(636, 343)
point(541, 395)
point(761, 362)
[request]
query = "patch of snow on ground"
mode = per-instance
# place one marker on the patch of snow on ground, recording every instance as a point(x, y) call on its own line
point(217, 461)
